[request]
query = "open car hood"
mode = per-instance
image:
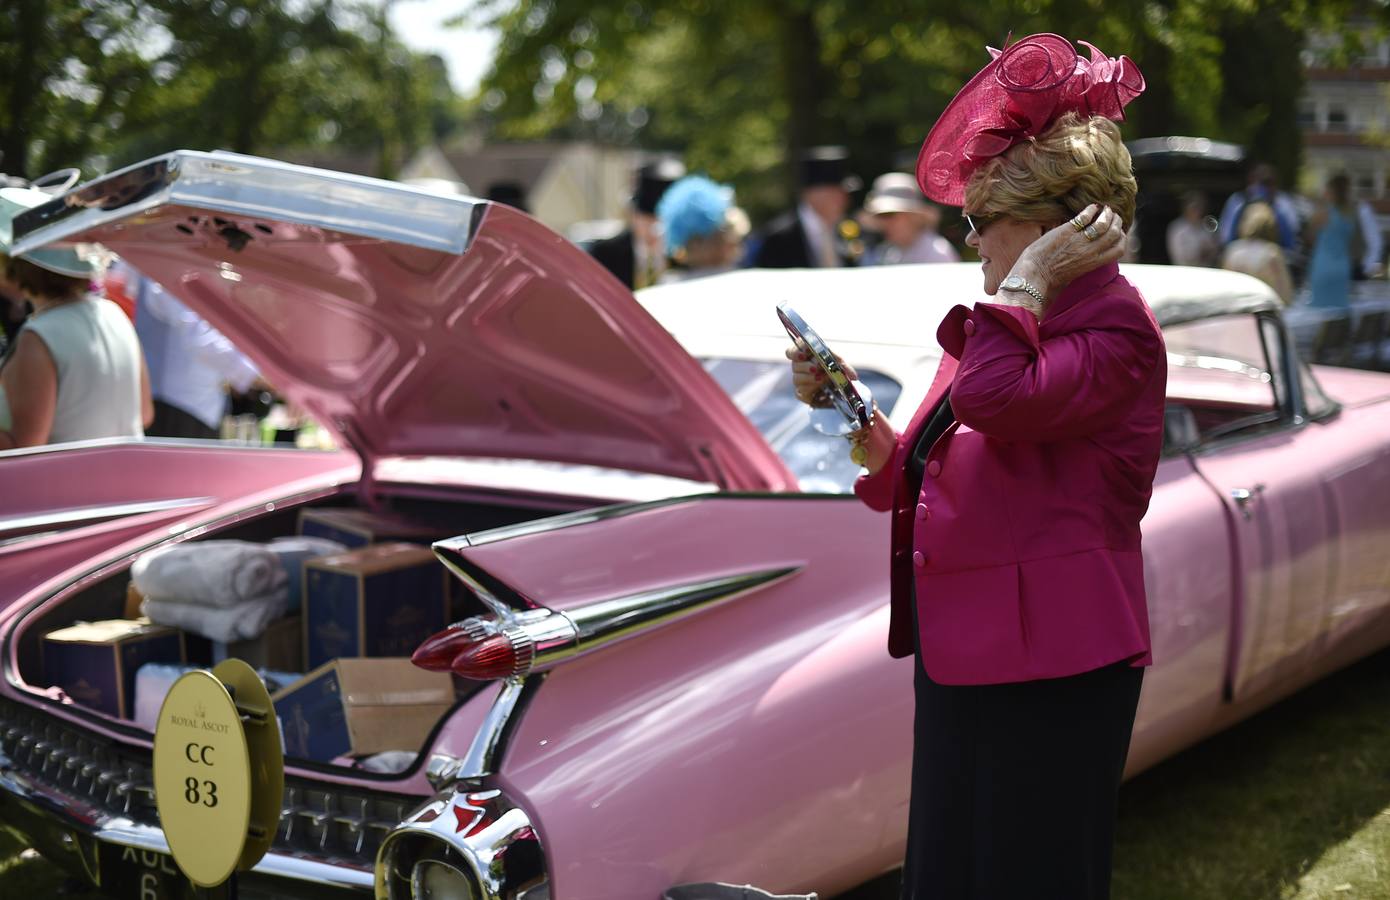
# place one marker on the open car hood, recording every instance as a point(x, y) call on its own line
point(413, 324)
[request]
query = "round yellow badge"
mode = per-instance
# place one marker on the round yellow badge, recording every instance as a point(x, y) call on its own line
point(202, 778)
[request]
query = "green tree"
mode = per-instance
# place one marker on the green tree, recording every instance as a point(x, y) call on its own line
point(66, 69)
point(740, 87)
point(102, 83)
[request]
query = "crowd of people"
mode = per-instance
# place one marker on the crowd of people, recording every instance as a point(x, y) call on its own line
point(1261, 232)
point(682, 226)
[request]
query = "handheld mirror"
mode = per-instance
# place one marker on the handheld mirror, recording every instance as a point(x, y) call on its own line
point(850, 404)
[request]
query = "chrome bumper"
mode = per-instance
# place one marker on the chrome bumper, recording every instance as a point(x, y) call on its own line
point(69, 832)
point(68, 792)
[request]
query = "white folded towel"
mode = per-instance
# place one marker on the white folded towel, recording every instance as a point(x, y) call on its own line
point(238, 622)
point(306, 545)
point(209, 573)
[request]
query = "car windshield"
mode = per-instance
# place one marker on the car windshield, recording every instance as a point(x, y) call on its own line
point(762, 390)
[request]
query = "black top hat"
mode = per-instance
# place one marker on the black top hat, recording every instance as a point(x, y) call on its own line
point(652, 181)
point(828, 165)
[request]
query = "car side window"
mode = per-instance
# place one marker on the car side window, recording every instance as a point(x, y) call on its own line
point(762, 390)
point(1223, 380)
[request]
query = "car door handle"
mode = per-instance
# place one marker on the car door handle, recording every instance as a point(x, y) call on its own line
point(1244, 496)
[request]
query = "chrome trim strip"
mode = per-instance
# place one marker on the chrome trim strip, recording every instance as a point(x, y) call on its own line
point(504, 601)
point(566, 520)
point(199, 443)
point(250, 186)
point(75, 516)
point(482, 755)
point(617, 511)
point(479, 829)
point(448, 553)
point(606, 621)
point(543, 638)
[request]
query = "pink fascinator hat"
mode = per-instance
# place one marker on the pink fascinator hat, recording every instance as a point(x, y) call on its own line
point(1024, 89)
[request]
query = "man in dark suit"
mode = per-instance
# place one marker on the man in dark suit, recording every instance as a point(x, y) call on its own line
point(636, 255)
point(815, 234)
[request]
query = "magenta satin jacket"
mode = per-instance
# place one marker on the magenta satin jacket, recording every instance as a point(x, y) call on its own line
point(1023, 543)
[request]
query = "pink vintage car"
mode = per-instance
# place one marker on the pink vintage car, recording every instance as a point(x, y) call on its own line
point(674, 610)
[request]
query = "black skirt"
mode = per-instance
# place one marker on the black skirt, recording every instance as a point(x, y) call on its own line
point(1014, 786)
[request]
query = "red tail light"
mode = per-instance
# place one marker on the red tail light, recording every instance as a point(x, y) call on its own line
point(492, 657)
point(475, 649)
point(438, 651)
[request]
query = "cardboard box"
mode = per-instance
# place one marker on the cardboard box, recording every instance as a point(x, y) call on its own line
point(95, 662)
point(382, 600)
point(133, 599)
point(280, 647)
point(360, 707)
point(359, 527)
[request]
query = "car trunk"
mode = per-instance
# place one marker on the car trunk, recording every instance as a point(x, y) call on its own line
point(429, 512)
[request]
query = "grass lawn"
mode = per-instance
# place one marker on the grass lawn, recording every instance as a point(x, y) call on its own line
point(1291, 805)
point(26, 874)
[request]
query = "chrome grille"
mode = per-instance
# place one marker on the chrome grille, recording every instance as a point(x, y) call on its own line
point(322, 822)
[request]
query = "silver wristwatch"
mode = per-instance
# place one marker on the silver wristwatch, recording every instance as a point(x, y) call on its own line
point(1019, 283)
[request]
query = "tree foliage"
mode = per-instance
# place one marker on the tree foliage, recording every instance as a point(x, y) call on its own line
point(107, 82)
point(740, 86)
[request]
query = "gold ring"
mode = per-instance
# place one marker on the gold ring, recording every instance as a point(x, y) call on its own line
point(1077, 223)
point(1090, 232)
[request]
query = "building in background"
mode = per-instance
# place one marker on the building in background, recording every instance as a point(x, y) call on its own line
point(1345, 118)
point(566, 183)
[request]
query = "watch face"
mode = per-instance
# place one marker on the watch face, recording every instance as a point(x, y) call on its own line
point(1013, 283)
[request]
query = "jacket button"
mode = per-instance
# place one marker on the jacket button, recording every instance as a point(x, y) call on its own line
point(968, 327)
point(934, 468)
point(921, 510)
point(919, 559)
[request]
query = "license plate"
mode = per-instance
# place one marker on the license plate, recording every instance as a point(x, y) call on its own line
point(128, 873)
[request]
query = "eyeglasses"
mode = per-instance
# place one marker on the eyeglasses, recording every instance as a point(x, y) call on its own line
point(978, 224)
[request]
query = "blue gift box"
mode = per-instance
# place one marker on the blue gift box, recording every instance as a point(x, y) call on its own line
point(382, 600)
point(361, 706)
point(95, 662)
point(360, 527)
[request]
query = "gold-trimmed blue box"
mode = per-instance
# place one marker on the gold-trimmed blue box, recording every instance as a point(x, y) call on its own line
point(381, 600)
point(360, 527)
point(95, 662)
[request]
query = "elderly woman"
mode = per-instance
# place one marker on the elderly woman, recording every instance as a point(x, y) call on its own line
point(704, 230)
point(75, 371)
point(1017, 489)
point(896, 209)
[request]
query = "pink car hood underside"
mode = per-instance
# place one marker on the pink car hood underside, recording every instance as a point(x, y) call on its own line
point(520, 346)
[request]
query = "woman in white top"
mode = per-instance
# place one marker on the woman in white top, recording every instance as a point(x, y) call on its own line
point(1257, 251)
point(895, 206)
point(75, 371)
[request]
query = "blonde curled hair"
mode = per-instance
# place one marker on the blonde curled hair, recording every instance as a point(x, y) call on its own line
point(1050, 178)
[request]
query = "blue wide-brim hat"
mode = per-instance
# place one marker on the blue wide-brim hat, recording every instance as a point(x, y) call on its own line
point(72, 260)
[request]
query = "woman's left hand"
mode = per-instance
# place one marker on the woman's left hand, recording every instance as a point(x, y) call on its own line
point(1063, 254)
